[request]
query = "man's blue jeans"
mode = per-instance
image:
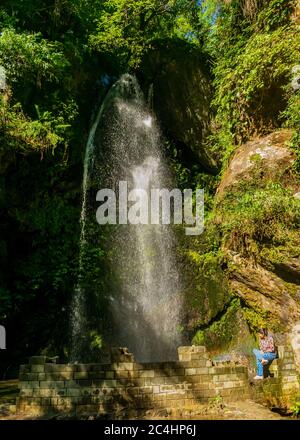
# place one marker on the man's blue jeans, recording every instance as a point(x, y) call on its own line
point(259, 356)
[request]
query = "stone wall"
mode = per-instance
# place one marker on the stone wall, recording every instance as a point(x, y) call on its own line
point(123, 384)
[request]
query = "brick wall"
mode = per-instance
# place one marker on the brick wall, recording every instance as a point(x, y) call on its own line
point(123, 384)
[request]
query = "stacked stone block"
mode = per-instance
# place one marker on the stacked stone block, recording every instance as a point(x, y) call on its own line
point(124, 384)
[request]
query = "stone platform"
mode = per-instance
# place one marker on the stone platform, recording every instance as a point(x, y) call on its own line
point(124, 384)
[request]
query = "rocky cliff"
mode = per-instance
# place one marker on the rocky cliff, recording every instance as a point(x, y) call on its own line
point(181, 94)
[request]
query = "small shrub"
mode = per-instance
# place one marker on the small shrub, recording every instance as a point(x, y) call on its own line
point(199, 338)
point(295, 408)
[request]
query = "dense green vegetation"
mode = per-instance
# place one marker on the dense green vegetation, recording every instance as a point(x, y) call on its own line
point(59, 58)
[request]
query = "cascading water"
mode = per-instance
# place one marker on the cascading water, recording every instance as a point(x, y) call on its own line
point(78, 309)
point(145, 292)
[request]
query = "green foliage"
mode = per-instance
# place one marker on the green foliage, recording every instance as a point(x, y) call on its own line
point(29, 58)
point(44, 117)
point(276, 13)
point(217, 403)
point(33, 63)
point(226, 25)
point(199, 338)
point(50, 261)
point(209, 261)
point(96, 340)
point(220, 332)
point(258, 218)
point(19, 132)
point(54, 53)
point(256, 158)
point(129, 27)
point(247, 81)
point(254, 45)
point(295, 408)
point(66, 20)
point(291, 115)
point(191, 175)
point(257, 319)
point(207, 293)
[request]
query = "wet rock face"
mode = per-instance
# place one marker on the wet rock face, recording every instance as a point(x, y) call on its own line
point(296, 14)
point(295, 342)
point(181, 97)
point(296, 78)
point(271, 152)
point(263, 289)
point(273, 288)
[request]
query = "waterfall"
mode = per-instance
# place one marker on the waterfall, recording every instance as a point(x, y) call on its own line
point(145, 294)
point(78, 309)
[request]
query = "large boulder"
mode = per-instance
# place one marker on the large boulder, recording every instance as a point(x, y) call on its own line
point(271, 152)
point(273, 289)
point(265, 290)
point(181, 96)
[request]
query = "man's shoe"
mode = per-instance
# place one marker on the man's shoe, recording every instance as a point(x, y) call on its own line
point(258, 377)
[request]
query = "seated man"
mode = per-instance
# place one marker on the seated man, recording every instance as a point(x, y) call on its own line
point(266, 354)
